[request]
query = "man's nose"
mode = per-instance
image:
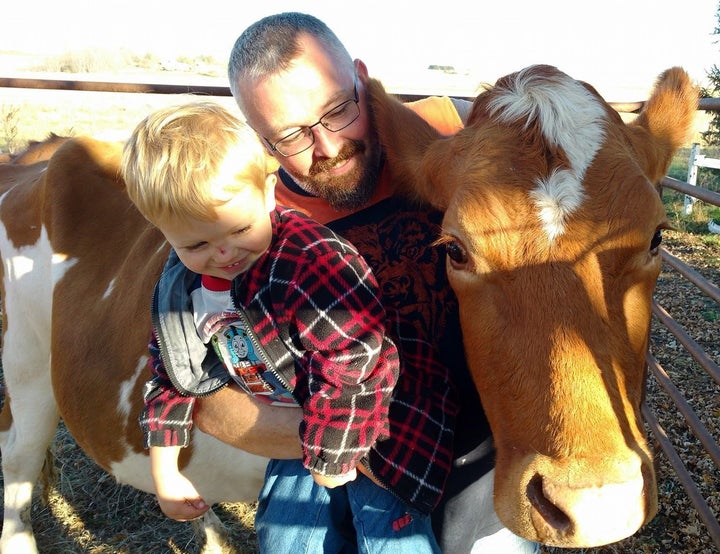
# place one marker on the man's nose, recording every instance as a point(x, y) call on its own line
point(327, 144)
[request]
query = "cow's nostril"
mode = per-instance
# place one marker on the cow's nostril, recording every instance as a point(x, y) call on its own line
point(554, 516)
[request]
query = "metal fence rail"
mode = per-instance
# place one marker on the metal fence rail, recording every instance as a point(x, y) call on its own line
point(709, 443)
point(210, 90)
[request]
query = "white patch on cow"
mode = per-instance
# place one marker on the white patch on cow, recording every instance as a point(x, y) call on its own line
point(109, 289)
point(556, 197)
point(236, 476)
point(26, 374)
point(26, 260)
point(127, 387)
point(28, 291)
point(569, 117)
point(133, 469)
point(61, 264)
point(18, 266)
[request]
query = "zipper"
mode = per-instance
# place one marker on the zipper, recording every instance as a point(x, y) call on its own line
point(259, 349)
point(164, 353)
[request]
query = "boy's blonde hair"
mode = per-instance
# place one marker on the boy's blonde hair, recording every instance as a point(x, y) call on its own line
point(183, 161)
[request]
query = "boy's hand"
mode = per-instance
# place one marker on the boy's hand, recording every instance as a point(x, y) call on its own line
point(178, 498)
point(332, 481)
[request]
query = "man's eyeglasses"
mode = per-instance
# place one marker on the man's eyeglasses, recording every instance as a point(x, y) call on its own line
point(335, 120)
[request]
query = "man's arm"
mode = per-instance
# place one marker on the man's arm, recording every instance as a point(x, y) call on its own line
point(233, 417)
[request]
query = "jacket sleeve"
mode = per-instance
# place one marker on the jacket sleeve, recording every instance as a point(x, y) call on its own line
point(351, 365)
point(167, 417)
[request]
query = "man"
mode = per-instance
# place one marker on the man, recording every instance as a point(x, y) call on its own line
point(305, 97)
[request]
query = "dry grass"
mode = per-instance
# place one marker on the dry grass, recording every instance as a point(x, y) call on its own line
point(32, 114)
point(88, 512)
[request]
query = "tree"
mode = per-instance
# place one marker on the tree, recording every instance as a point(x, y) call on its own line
point(712, 135)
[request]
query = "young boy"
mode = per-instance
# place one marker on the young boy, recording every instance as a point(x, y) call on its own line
point(259, 294)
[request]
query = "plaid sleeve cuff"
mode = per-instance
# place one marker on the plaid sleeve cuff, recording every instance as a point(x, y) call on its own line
point(166, 437)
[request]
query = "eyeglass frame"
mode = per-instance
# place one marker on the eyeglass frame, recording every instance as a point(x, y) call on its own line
point(308, 128)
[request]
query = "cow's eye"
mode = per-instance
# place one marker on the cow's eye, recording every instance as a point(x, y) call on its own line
point(655, 243)
point(456, 253)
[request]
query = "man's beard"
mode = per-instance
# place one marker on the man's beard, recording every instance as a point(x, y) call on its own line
point(352, 190)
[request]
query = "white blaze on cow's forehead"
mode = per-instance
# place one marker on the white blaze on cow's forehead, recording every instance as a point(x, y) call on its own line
point(556, 197)
point(570, 117)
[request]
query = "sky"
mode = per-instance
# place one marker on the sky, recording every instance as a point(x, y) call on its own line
point(619, 46)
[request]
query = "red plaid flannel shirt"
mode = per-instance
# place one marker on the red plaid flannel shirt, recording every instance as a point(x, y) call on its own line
point(312, 300)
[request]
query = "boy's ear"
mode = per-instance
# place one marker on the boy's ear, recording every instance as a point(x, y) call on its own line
point(270, 181)
point(271, 164)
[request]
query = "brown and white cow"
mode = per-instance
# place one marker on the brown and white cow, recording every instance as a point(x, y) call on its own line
point(36, 151)
point(552, 228)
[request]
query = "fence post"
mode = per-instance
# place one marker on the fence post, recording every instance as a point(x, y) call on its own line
point(691, 177)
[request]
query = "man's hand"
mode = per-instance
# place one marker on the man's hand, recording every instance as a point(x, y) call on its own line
point(332, 481)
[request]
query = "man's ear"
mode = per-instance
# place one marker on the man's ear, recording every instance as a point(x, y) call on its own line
point(361, 70)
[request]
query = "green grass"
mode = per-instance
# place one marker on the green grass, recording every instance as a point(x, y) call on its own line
point(696, 222)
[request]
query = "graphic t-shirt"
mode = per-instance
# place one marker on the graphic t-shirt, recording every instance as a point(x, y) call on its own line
point(217, 323)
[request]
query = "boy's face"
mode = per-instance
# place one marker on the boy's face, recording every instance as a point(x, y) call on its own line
point(232, 243)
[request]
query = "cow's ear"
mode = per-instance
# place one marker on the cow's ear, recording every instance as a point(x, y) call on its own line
point(441, 172)
point(667, 117)
point(399, 128)
point(403, 134)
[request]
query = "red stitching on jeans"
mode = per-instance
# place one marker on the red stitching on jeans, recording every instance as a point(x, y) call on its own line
point(401, 522)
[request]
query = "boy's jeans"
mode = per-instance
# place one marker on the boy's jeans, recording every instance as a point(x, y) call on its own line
point(295, 516)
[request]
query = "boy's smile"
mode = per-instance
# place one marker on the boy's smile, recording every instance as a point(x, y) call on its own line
point(232, 243)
